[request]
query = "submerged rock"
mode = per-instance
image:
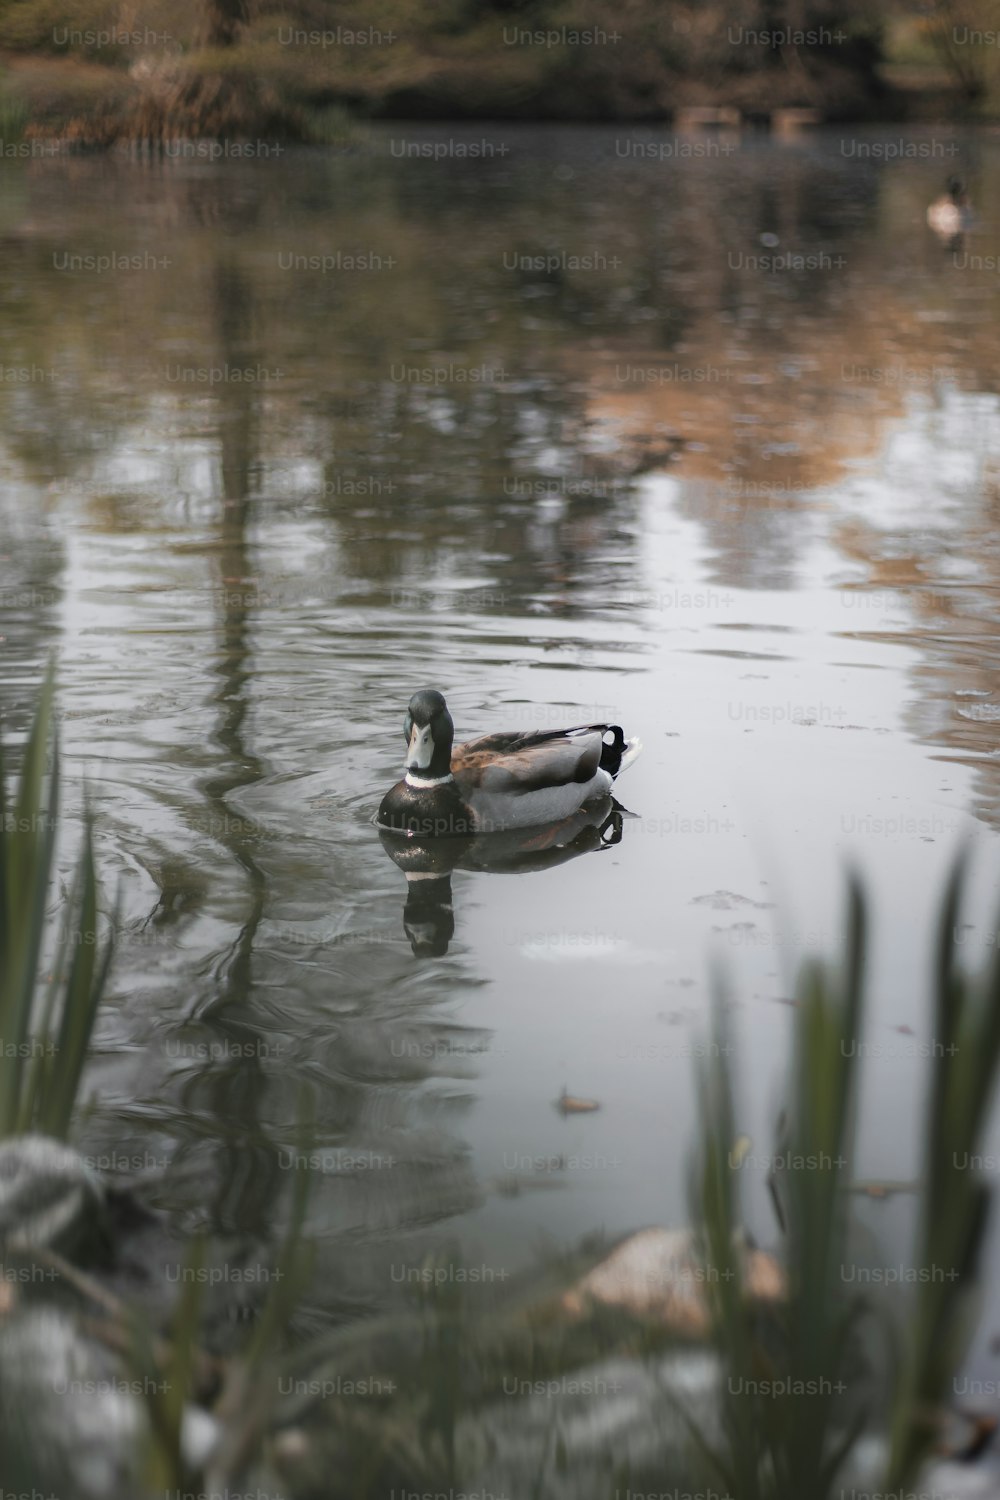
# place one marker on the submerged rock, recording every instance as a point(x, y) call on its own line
point(620, 1416)
point(69, 1424)
point(74, 1422)
point(585, 1429)
point(657, 1274)
point(49, 1198)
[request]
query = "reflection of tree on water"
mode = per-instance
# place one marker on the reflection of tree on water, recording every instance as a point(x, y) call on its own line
point(911, 594)
point(526, 484)
point(248, 1172)
point(238, 1103)
point(31, 568)
point(756, 536)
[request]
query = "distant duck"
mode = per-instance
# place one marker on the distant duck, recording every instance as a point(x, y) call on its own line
point(500, 781)
point(951, 214)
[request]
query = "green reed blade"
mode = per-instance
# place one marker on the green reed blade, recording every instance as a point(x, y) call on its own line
point(28, 849)
point(41, 1065)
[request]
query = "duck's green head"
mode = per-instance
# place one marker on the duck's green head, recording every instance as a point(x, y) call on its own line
point(429, 734)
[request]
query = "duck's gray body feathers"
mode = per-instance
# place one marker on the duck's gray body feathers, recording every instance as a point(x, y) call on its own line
point(521, 780)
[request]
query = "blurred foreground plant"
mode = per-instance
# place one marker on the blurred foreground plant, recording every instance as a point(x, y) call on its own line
point(792, 1404)
point(241, 1390)
point(41, 1064)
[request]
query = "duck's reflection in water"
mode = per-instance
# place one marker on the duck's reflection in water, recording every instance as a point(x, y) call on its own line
point(428, 915)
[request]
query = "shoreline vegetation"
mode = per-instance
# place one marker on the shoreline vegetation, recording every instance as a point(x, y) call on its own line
point(92, 74)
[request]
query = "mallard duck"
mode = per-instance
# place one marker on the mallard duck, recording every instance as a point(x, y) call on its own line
point(500, 781)
point(951, 214)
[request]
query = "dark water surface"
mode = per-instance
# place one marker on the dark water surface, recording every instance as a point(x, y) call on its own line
point(749, 510)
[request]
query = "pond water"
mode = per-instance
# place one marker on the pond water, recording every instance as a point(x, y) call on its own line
point(570, 430)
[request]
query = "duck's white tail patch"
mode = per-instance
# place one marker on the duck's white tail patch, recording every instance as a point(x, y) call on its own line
point(632, 751)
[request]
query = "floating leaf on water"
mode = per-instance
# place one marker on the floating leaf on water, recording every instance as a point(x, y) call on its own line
point(728, 901)
point(873, 1189)
point(571, 1104)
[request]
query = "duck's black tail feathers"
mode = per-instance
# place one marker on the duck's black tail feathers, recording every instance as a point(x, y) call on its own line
point(620, 753)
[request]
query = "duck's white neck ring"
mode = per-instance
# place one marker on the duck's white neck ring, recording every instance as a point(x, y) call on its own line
point(414, 779)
